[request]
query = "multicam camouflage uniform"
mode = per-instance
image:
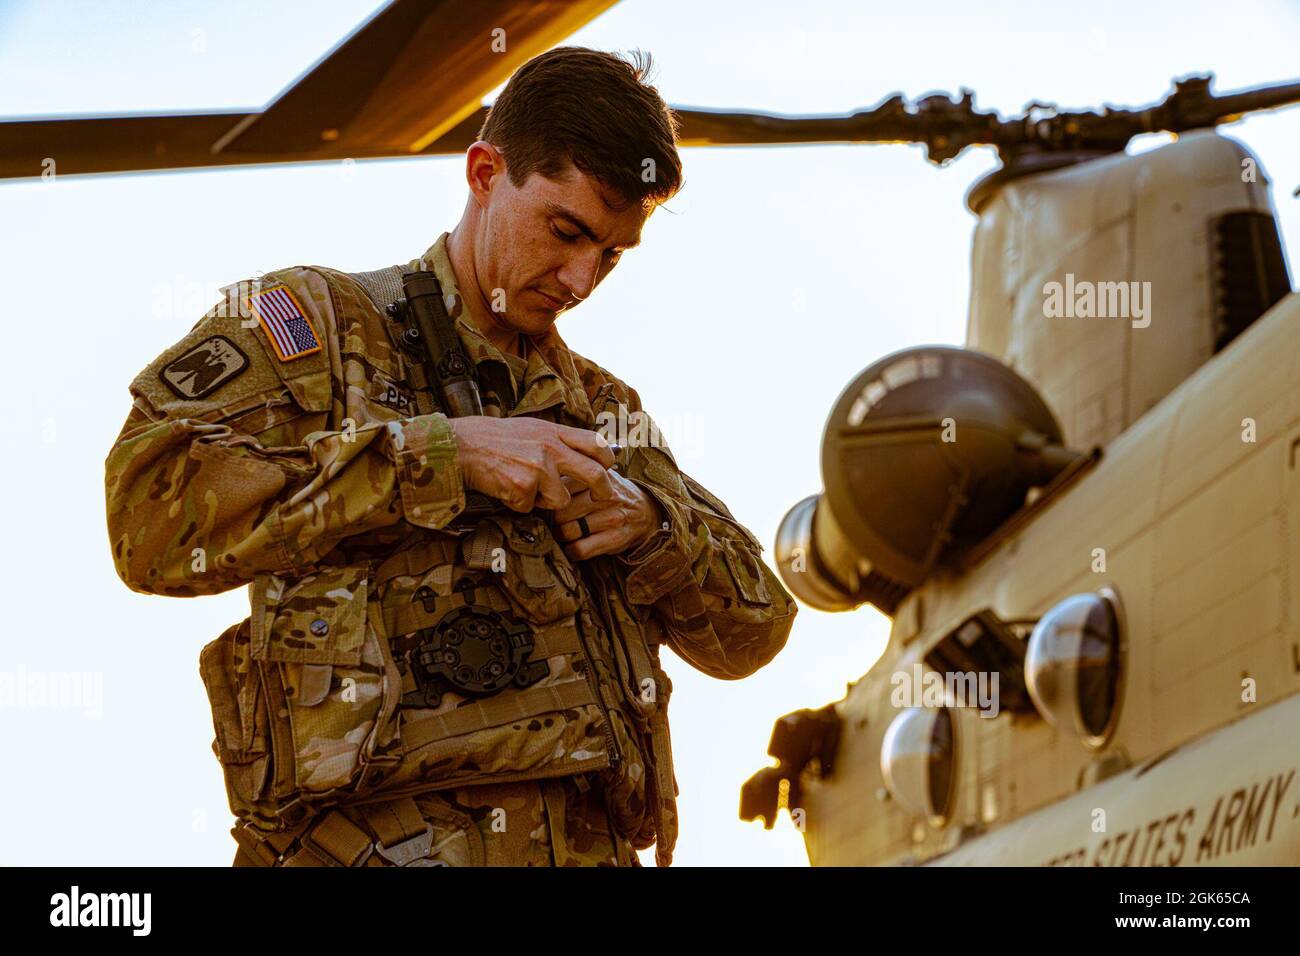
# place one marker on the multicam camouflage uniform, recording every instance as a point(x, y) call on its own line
point(288, 442)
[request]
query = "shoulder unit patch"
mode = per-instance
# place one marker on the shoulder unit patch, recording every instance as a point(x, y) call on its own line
point(284, 323)
point(205, 368)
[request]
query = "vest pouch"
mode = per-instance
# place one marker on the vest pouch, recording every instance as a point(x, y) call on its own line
point(324, 663)
point(497, 683)
point(527, 563)
point(239, 717)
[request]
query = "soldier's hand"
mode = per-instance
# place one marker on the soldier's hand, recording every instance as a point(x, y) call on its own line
point(595, 526)
point(523, 461)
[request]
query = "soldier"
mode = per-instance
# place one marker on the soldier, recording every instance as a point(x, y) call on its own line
point(421, 682)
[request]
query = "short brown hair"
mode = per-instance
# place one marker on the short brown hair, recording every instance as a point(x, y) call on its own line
point(593, 109)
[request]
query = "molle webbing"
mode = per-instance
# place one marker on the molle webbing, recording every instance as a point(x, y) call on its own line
point(494, 711)
point(397, 829)
point(548, 639)
point(416, 560)
point(383, 286)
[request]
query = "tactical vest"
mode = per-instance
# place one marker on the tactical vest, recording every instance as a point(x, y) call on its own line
point(474, 654)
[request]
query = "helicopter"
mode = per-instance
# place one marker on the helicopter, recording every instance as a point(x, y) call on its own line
point(1081, 524)
point(1094, 552)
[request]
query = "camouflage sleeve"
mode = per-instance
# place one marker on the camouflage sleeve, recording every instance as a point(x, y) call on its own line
point(725, 612)
point(236, 459)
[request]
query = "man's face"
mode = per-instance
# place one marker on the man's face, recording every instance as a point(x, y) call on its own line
point(545, 245)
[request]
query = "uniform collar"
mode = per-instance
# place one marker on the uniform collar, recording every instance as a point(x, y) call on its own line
point(550, 377)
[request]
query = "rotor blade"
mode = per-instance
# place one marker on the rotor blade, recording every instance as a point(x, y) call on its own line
point(717, 128)
point(415, 71)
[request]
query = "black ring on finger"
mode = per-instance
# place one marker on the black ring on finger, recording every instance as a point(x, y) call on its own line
point(582, 526)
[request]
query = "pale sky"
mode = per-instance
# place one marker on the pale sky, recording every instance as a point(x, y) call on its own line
point(758, 293)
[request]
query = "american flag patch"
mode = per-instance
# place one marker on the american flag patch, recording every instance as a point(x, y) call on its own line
point(286, 326)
